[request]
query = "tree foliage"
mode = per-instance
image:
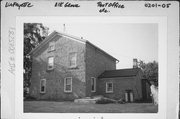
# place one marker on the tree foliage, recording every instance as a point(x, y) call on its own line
point(34, 34)
point(150, 70)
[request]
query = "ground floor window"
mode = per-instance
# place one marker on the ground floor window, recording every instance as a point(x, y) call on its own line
point(43, 86)
point(93, 84)
point(109, 87)
point(68, 84)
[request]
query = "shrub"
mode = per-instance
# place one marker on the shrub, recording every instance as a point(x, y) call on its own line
point(105, 101)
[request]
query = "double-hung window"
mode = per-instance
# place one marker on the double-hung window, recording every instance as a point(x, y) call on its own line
point(109, 87)
point(50, 63)
point(72, 60)
point(68, 84)
point(43, 86)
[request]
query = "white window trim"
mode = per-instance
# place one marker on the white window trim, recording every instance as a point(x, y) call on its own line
point(107, 87)
point(67, 91)
point(48, 63)
point(52, 43)
point(45, 86)
point(94, 84)
point(73, 66)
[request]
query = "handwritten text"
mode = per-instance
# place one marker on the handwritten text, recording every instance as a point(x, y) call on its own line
point(66, 4)
point(104, 6)
point(18, 5)
point(11, 49)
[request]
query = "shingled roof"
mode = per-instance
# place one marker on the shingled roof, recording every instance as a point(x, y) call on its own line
point(120, 73)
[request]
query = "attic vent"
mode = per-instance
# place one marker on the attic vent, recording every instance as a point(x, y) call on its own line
point(51, 46)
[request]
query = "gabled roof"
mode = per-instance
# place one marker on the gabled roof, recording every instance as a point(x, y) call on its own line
point(120, 73)
point(50, 37)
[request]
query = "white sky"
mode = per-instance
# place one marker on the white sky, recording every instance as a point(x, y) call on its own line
point(123, 41)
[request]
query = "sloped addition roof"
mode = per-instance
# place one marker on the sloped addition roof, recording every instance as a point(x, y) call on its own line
point(50, 37)
point(120, 73)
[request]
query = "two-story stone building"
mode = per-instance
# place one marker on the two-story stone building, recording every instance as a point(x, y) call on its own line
point(66, 68)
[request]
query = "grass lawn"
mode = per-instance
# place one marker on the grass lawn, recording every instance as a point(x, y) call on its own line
point(71, 107)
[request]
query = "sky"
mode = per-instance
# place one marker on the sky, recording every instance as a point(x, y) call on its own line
point(124, 41)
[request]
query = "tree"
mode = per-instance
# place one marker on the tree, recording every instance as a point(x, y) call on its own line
point(34, 34)
point(150, 71)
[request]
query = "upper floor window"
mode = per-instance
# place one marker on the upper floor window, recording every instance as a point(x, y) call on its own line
point(93, 84)
point(72, 60)
point(109, 87)
point(50, 63)
point(43, 86)
point(51, 46)
point(68, 84)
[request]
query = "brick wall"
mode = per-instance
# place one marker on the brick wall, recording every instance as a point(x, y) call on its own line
point(55, 77)
point(96, 63)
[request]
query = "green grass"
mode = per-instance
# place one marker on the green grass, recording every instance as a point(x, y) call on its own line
point(71, 107)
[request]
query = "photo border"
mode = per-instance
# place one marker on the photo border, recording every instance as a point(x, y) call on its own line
point(162, 60)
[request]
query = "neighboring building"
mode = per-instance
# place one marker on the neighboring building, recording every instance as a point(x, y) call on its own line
point(66, 67)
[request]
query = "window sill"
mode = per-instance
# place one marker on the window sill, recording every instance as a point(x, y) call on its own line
point(109, 91)
point(51, 51)
point(67, 91)
point(50, 69)
point(42, 92)
point(74, 67)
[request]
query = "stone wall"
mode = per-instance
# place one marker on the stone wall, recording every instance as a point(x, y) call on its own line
point(55, 78)
point(120, 85)
point(96, 63)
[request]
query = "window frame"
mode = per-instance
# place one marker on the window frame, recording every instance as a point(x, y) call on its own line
point(69, 60)
point(51, 44)
point(93, 78)
point(42, 92)
point(107, 87)
point(48, 63)
point(67, 91)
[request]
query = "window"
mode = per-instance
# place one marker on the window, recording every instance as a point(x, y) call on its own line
point(51, 46)
point(50, 63)
point(72, 59)
point(68, 84)
point(93, 84)
point(109, 87)
point(43, 86)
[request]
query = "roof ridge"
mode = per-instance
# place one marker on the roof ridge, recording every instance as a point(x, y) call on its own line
point(120, 73)
point(72, 36)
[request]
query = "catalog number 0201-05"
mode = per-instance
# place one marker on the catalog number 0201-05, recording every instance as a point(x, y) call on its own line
point(156, 5)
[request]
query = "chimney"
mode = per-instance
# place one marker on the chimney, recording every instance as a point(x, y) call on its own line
point(135, 63)
point(64, 28)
